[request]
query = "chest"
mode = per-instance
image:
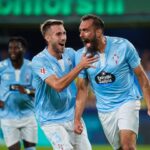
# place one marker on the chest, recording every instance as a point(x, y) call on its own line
point(112, 62)
point(11, 75)
point(62, 66)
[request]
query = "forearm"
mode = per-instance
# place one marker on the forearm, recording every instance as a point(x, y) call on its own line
point(80, 103)
point(145, 86)
point(146, 92)
point(61, 83)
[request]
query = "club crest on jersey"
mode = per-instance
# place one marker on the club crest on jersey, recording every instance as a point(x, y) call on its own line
point(42, 70)
point(54, 68)
point(104, 78)
point(69, 62)
point(116, 58)
point(6, 76)
point(27, 77)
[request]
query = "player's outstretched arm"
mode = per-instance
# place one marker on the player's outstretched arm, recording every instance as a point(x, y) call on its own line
point(82, 86)
point(145, 84)
point(60, 83)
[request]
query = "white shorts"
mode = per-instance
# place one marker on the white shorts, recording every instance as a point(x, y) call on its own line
point(126, 117)
point(62, 137)
point(15, 130)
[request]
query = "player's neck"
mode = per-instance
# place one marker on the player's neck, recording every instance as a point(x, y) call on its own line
point(54, 53)
point(102, 44)
point(17, 63)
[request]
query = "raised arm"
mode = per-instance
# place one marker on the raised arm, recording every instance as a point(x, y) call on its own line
point(145, 85)
point(82, 86)
point(60, 83)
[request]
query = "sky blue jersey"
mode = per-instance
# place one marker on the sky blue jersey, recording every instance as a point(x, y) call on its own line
point(113, 79)
point(52, 106)
point(16, 104)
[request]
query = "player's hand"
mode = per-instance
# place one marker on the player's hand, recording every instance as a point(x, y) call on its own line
point(21, 89)
point(148, 112)
point(87, 61)
point(78, 127)
point(1, 104)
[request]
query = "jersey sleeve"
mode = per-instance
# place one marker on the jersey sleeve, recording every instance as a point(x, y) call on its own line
point(3, 65)
point(132, 56)
point(4, 92)
point(41, 68)
point(78, 58)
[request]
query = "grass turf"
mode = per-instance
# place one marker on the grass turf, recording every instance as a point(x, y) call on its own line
point(94, 147)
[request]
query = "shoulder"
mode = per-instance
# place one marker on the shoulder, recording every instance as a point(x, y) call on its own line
point(39, 57)
point(80, 51)
point(27, 62)
point(4, 64)
point(69, 50)
point(118, 40)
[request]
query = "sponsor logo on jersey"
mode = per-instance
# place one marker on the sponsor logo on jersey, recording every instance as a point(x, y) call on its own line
point(104, 78)
point(27, 77)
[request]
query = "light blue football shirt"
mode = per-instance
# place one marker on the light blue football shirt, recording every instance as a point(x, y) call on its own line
point(113, 81)
point(17, 105)
point(52, 106)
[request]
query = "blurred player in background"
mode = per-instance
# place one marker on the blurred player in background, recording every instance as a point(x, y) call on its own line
point(55, 96)
point(117, 95)
point(16, 105)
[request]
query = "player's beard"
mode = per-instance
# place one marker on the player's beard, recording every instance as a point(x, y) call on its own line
point(94, 46)
point(58, 50)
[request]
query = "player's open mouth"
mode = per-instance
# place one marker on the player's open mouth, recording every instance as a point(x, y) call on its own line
point(87, 43)
point(12, 55)
point(62, 44)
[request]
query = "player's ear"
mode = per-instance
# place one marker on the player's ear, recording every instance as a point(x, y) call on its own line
point(46, 37)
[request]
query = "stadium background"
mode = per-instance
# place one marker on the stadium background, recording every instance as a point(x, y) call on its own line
point(123, 18)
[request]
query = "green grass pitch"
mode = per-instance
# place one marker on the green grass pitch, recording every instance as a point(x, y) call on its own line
point(94, 147)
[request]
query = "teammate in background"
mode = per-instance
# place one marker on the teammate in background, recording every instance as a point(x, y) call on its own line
point(55, 95)
point(117, 96)
point(17, 111)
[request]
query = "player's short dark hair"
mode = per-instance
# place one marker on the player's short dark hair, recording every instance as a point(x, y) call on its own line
point(97, 21)
point(48, 23)
point(20, 39)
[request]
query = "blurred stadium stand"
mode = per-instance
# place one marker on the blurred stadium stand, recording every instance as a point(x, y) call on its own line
point(123, 18)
